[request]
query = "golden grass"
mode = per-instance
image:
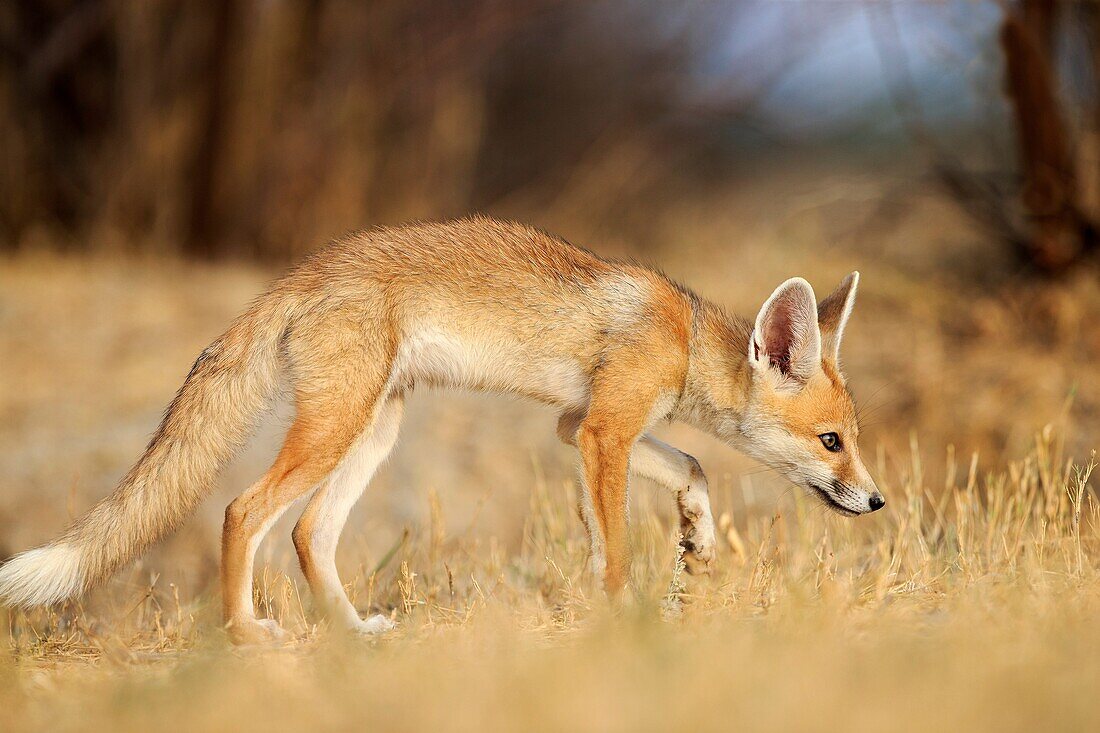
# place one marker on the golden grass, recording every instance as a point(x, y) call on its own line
point(970, 602)
point(970, 607)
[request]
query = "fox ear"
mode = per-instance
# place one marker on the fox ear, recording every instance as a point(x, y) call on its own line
point(832, 316)
point(786, 335)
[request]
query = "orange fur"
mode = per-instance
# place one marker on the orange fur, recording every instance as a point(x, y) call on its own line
point(480, 304)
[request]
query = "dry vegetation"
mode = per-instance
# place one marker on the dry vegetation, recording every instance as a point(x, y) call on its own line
point(974, 609)
point(137, 133)
point(969, 603)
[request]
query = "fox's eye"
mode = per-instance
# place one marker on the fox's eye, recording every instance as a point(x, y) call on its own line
point(831, 441)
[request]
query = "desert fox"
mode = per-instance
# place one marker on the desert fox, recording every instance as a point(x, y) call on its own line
point(486, 305)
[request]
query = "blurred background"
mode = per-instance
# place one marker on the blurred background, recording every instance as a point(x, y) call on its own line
point(159, 161)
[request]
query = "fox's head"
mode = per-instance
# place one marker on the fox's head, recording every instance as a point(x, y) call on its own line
point(799, 417)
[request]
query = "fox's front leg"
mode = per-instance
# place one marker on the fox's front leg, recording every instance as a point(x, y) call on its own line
point(605, 455)
point(676, 471)
point(619, 410)
point(682, 475)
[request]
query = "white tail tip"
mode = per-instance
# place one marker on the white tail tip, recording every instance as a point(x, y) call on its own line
point(41, 577)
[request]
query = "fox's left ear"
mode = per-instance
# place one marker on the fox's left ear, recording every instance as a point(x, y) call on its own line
point(832, 316)
point(785, 338)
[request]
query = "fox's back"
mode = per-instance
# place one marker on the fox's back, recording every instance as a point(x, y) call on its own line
point(484, 304)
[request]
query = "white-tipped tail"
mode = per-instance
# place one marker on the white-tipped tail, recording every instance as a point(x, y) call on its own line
point(41, 577)
point(211, 417)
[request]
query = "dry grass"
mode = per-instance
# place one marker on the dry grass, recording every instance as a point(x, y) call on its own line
point(972, 610)
point(969, 603)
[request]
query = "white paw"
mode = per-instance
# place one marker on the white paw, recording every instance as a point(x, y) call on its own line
point(699, 545)
point(377, 624)
point(257, 631)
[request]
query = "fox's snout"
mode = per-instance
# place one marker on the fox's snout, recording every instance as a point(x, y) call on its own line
point(872, 503)
point(847, 499)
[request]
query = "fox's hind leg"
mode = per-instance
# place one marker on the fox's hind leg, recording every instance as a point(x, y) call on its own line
point(318, 531)
point(332, 411)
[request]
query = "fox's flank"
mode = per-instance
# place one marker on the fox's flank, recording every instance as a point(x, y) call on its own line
point(485, 305)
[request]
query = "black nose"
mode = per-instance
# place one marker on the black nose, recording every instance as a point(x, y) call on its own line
point(877, 502)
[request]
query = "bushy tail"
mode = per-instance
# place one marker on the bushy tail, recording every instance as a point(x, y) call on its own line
point(213, 414)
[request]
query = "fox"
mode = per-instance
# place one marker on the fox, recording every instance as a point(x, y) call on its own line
point(473, 304)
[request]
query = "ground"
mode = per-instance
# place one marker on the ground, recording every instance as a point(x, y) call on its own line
point(970, 602)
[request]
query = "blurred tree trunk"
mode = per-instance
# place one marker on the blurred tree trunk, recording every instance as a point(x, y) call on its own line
point(1089, 160)
point(307, 14)
point(1060, 233)
point(56, 75)
point(203, 227)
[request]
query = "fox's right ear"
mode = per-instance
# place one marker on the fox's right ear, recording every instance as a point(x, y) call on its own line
point(832, 315)
point(786, 337)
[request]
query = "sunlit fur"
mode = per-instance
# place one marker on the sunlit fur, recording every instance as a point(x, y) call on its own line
point(783, 427)
point(474, 304)
point(777, 417)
